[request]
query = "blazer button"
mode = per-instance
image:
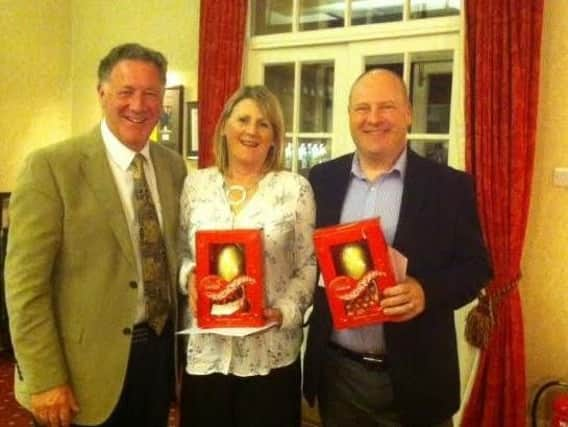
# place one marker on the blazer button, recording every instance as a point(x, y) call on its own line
point(127, 331)
point(133, 284)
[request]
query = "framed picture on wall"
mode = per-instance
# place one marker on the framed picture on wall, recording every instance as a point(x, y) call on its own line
point(169, 129)
point(192, 130)
point(4, 199)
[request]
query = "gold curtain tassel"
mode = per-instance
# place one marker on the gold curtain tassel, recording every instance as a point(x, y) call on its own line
point(479, 323)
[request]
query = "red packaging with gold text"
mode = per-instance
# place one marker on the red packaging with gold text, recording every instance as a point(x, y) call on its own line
point(356, 268)
point(230, 278)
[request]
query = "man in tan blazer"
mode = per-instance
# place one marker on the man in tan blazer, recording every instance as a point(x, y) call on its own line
point(85, 349)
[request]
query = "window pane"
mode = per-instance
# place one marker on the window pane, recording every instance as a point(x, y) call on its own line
point(375, 11)
point(431, 91)
point(279, 79)
point(394, 63)
point(433, 150)
point(320, 14)
point(432, 8)
point(311, 152)
point(271, 17)
point(316, 98)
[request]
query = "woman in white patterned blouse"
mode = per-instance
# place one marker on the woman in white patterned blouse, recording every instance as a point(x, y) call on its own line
point(254, 380)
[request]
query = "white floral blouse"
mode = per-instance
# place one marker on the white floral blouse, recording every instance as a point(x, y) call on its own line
point(283, 206)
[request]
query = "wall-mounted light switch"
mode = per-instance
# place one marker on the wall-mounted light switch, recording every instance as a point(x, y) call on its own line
point(561, 177)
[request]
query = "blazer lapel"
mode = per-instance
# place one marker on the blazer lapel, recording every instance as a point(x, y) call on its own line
point(412, 199)
point(343, 180)
point(336, 189)
point(99, 177)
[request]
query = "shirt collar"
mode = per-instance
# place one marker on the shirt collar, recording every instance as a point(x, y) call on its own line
point(119, 153)
point(399, 166)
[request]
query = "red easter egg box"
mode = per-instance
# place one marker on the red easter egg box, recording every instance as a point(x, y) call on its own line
point(230, 278)
point(356, 268)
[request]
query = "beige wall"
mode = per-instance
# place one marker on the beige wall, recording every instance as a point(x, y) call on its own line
point(48, 83)
point(166, 25)
point(35, 80)
point(544, 287)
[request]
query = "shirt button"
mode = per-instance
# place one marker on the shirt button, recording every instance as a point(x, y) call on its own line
point(127, 331)
point(133, 284)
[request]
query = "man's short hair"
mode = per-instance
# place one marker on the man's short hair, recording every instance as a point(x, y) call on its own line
point(133, 51)
point(397, 76)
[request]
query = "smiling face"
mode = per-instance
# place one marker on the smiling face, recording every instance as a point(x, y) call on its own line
point(249, 135)
point(131, 99)
point(379, 116)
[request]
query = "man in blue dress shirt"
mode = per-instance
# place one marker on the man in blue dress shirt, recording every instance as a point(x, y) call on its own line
point(404, 372)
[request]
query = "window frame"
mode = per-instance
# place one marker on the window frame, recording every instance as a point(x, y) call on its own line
point(349, 44)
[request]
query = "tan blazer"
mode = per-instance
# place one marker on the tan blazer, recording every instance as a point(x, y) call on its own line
point(71, 270)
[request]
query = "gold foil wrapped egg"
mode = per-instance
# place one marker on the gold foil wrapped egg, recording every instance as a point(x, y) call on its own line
point(353, 260)
point(230, 262)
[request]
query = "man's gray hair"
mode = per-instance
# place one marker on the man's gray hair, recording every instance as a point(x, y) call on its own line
point(136, 52)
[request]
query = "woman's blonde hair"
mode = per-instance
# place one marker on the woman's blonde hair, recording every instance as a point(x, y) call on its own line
point(270, 107)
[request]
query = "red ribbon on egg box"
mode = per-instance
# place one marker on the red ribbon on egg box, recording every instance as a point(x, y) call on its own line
point(356, 268)
point(230, 278)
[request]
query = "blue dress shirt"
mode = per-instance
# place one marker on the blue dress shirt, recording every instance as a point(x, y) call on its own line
point(371, 199)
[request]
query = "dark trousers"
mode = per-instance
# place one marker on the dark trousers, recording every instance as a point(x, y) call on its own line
point(218, 400)
point(351, 394)
point(149, 384)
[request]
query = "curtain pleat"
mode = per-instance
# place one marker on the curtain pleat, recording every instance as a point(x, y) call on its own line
point(222, 28)
point(502, 80)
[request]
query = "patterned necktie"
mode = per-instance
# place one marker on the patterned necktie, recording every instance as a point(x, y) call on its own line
point(152, 250)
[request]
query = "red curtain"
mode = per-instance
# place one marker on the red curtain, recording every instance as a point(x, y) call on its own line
point(502, 78)
point(222, 29)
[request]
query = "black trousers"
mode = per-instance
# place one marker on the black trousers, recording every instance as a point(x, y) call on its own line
point(218, 400)
point(149, 384)
point(351, 394)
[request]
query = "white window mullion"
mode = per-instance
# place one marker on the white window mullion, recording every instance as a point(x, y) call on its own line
point(406, 69)
point(296, 120)
point(315, 135)
point(456, 149)
point(406, 10)
point(348, 13)
point(428, 136)
point(295, 16)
